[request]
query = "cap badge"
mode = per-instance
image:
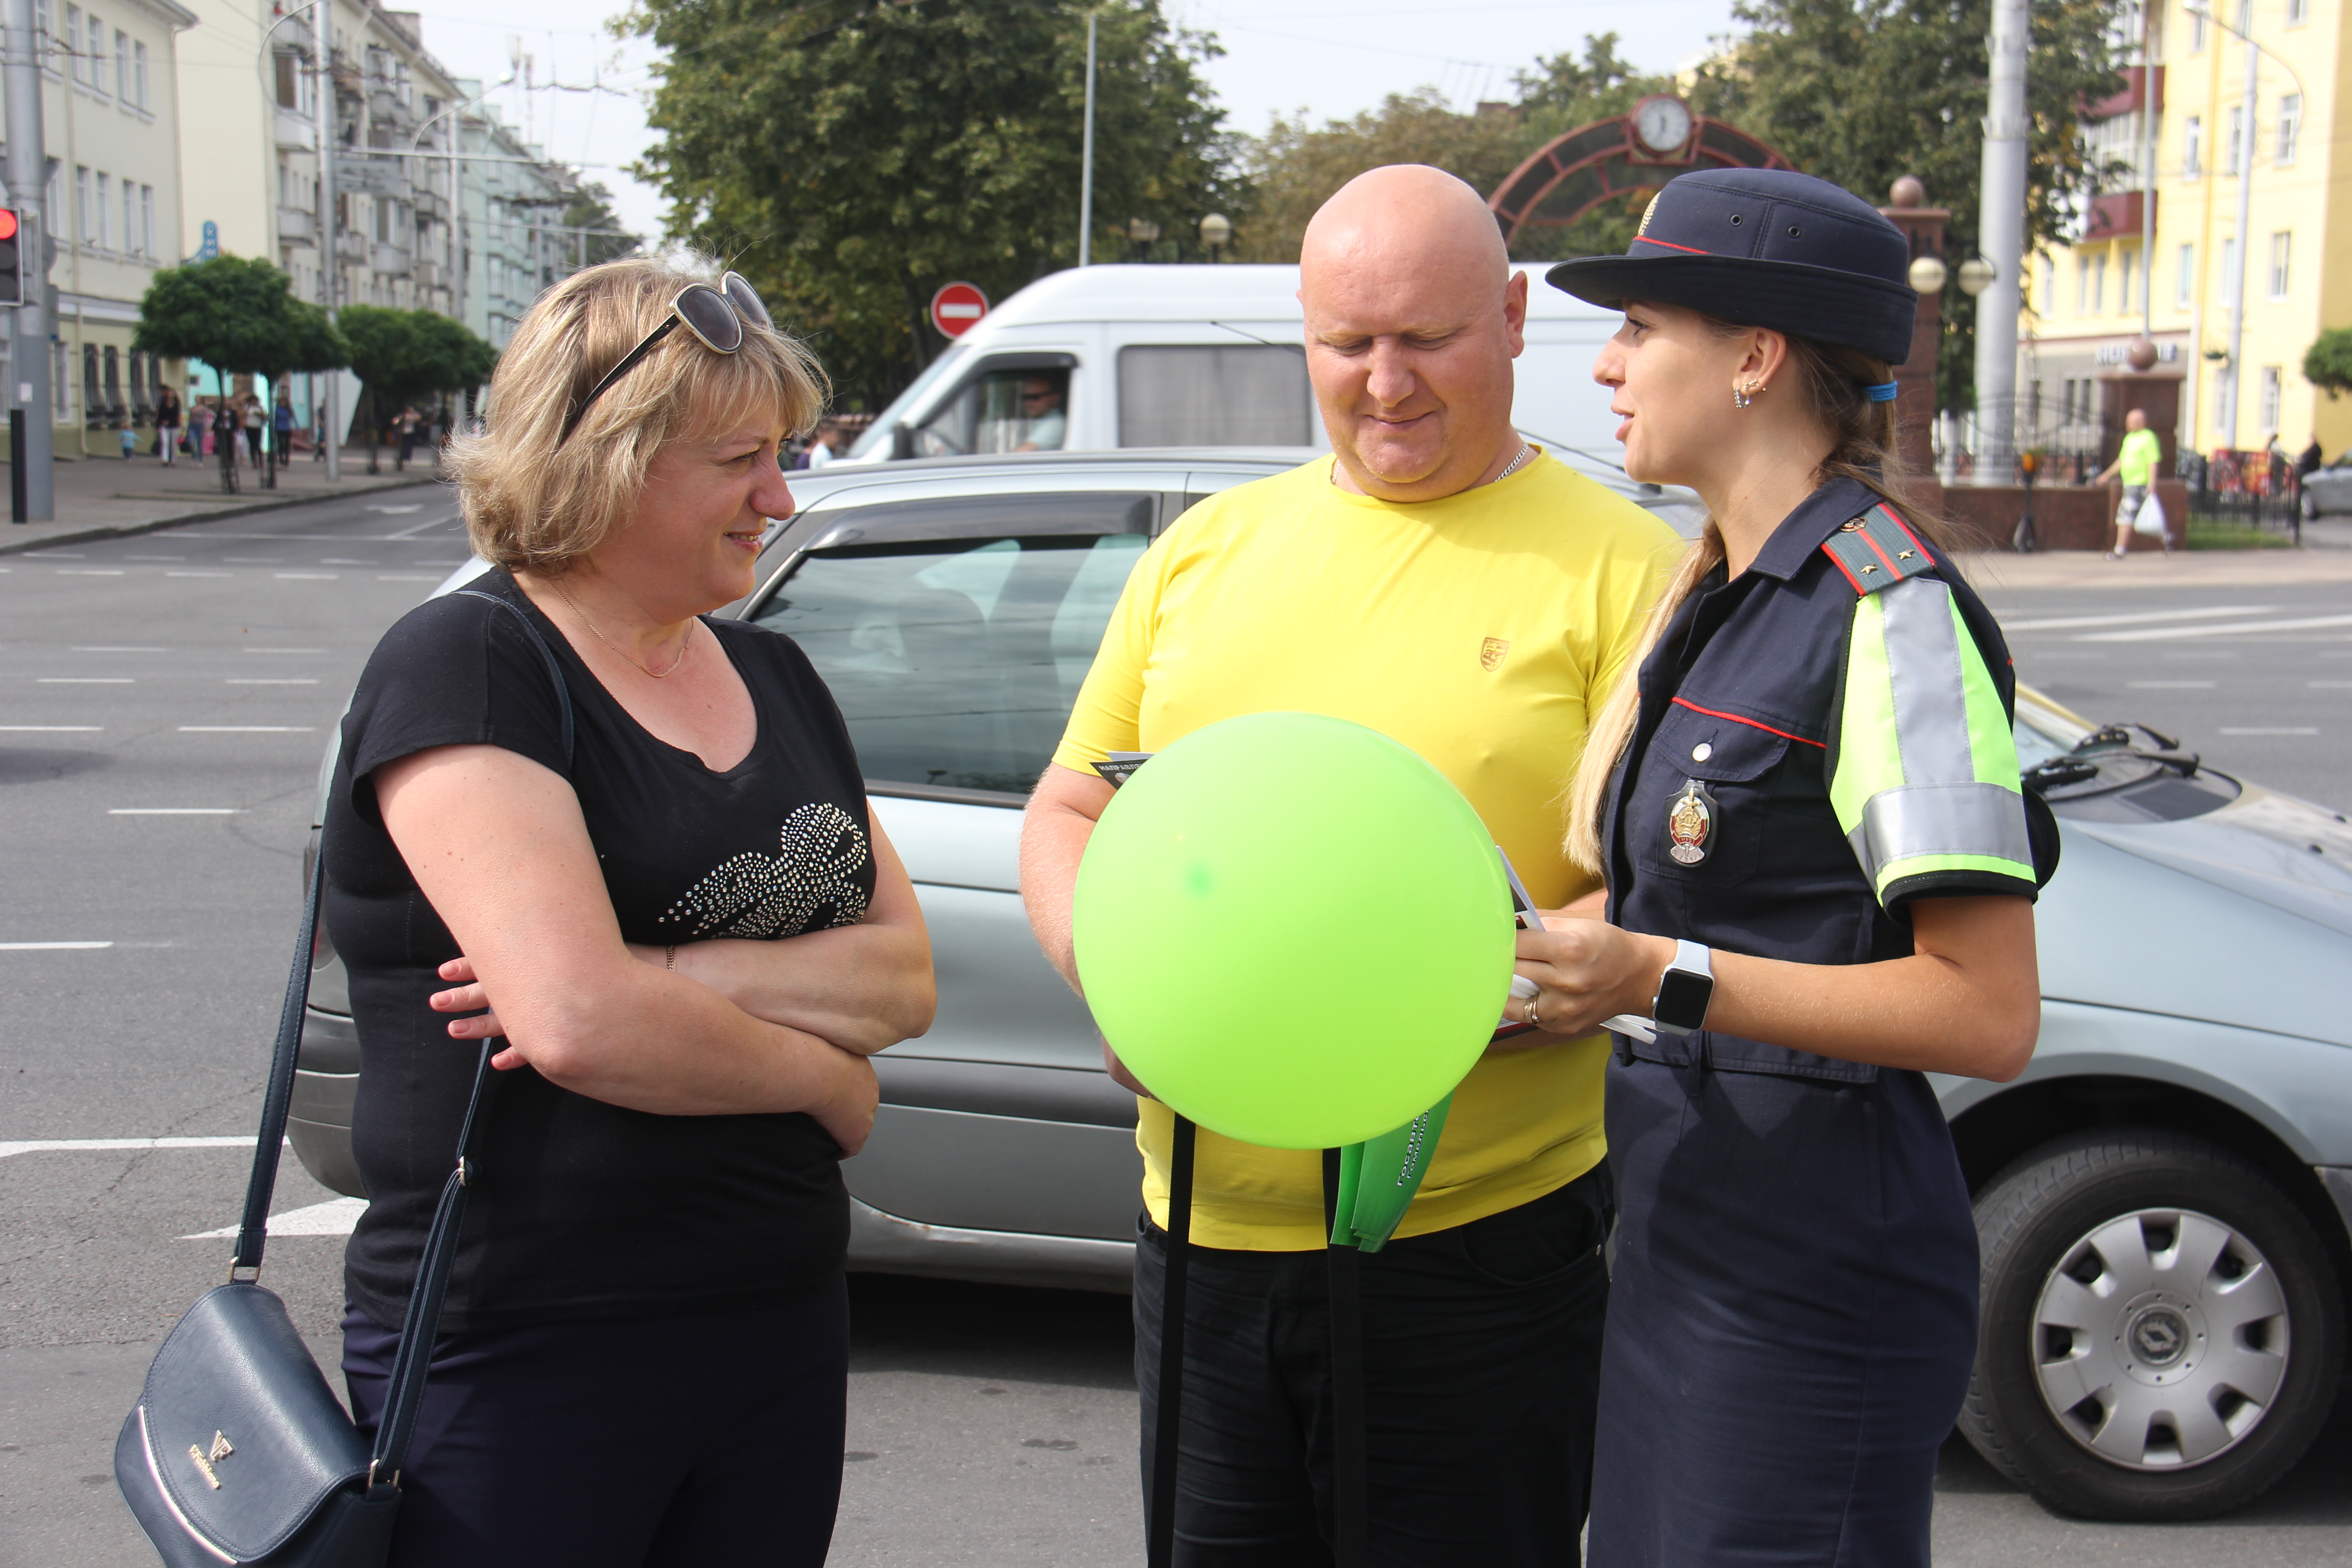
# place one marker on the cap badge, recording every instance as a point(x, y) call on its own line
point(1647, 214)
point(1690, 822)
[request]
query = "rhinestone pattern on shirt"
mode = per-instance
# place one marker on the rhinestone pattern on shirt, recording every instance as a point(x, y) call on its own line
point(759, 896)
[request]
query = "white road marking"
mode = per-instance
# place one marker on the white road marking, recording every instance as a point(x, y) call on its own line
point(55, 556)
point(397, 511)
point(248, 729)
point(119, 651)
point(307, 576)
point(2270, 730)
point(2170, 685)
point(255, 560)
point(336, 1217)
point(68, 1145)
point(174, 810)
point(2233, 628)
point(270, 680)
point(2064, 623)
point(86, 680)
point(88, 572)
point(339, 561)
point(53, 947)
point(199, 574)
point(53, 729)
point(155, 558)
point(410, 532)
point(257, 650)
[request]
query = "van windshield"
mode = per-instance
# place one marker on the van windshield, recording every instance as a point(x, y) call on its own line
point(877, 435)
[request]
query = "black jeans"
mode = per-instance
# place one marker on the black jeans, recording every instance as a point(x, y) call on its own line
point(627, 1443)
point(1482, 1357)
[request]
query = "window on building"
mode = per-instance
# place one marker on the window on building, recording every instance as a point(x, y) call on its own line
point(2049, 295)
point(41, 22)
point(2233, 148)
point(2290, 128)
point(83, 218)
point(2273, 380)
point(2230, 276)
point(72, 41)
point(2082, 285)
point(123, 65)
point(2184, 277)
point(130, 218)
point(60, 385)
point(139, 75)
point(2099, 284)
point(2193, 147)
point(2197, 20)
point(2127, 264)
point(2282, 254)
point(289, 80)
point(105, 219)
point(97, 55)
point(2298, 12)
point(147, 222)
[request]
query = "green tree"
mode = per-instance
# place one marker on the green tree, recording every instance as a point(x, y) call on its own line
point(591, 208)
point(237, 314)
point(1865, 92)
point(850, 156)
point(2327, 363)
point(402, 356)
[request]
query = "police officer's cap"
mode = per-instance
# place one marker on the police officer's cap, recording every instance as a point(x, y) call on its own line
point(1764, 247)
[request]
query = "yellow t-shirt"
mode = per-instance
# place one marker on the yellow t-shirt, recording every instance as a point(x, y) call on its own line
point(2136, 463)
point(1479, 630)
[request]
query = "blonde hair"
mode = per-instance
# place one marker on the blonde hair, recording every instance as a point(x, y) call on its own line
point(533, 504)
point(1829, 379)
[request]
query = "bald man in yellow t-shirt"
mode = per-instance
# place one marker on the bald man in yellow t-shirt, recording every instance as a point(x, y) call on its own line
point(1454, 588)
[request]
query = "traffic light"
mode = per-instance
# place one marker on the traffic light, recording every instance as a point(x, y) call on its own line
point(12, 272)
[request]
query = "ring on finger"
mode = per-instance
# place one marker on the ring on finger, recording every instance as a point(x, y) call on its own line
point(1533, 1022)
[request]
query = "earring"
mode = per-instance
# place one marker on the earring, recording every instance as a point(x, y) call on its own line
point(1739, 397)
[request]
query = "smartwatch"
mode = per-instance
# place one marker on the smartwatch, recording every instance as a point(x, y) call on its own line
point(1683, 991)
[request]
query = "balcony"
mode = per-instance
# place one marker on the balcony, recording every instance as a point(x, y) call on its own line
point(296, 225)
point(2133, 96)
point(2116, 216)
point(350, 246)
point(295, 133)
point(385, 107)
point(429, 275)
point(389, 260)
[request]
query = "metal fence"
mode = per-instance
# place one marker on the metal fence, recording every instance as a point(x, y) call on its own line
point(2249, 488)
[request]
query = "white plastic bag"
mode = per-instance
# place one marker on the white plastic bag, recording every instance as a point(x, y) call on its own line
point(2150, 520)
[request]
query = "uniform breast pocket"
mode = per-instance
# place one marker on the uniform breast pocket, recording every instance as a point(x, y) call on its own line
point(1701, 809)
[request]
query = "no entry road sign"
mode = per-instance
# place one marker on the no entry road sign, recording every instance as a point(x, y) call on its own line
point(957, 308)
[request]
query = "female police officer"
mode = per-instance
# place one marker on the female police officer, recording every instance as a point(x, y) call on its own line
point(1820, 887)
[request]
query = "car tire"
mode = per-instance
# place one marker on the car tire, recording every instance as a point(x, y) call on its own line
point(2078, 1232)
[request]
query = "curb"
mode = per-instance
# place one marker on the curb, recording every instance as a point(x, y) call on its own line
point(155, 526)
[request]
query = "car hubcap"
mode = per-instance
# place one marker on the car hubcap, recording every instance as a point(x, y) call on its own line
point(2160, 1340)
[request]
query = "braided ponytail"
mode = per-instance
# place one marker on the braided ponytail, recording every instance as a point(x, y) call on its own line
point(1830, 379)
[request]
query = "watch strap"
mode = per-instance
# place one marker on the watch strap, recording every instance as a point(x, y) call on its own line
point(1685, 990)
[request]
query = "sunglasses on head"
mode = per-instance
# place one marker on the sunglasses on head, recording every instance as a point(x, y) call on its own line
point(717, 316)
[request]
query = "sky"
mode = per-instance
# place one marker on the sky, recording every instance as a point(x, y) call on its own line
point(1328, 59)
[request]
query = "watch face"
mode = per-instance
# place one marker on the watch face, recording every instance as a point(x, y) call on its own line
point(1681, 999)
point(1664, 124)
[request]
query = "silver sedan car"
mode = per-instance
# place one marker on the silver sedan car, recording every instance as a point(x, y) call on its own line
point(2164, 1198)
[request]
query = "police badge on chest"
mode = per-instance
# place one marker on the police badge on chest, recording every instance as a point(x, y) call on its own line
point(1690, 824)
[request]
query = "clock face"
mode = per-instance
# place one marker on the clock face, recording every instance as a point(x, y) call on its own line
point(1664, 124)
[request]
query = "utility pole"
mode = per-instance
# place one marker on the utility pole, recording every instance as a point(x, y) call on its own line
point(322, 37)
point(1086, 157)
point(28, 183)
point(2242, 254)
point(2148, 171)
point(2000, 239)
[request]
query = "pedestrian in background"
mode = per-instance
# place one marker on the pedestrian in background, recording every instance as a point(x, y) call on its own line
point(281, 426)
point(130, 437)
point(199, 428)
point(407, 426)
point(255, 419)
point(2136, 464)
point(167, 424)
point(661, 875)
point(1444, 582)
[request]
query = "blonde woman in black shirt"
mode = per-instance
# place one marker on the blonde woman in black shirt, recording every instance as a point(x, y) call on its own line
point(688, 929)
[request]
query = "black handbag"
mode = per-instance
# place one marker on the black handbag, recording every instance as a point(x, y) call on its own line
point(237, 1450)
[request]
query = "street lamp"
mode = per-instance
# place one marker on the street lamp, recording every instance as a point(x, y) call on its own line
point(1216, 233)
point(1927, 275)
point(1976, 275)
point(1142, 233)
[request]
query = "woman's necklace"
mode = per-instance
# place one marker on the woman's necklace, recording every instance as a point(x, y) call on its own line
point(684, 649)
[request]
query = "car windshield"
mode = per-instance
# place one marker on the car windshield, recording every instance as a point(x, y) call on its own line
point(955, 662)
point(877, 435)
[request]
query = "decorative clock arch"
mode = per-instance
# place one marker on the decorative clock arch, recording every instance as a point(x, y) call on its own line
point(1612, 158)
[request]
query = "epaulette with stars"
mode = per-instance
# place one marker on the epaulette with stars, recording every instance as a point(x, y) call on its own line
point(1876, 550)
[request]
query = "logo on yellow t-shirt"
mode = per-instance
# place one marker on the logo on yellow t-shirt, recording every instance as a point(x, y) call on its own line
point(1491, 652)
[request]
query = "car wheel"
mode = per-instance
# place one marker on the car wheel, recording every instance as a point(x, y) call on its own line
point(2161, 1330)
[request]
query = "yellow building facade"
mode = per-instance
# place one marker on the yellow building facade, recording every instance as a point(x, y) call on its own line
point(2085, 301)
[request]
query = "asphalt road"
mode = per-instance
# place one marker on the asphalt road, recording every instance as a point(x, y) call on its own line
point(163, 701)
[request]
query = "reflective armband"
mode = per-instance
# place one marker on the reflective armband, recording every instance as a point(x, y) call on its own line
point(1925, 781)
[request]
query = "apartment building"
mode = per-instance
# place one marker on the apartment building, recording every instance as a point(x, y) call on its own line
point(513, 213)
point(2088, 301)
point(111, 121)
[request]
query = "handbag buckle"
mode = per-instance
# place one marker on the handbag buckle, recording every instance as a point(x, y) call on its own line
point(234, 1266)
point(393, 1481)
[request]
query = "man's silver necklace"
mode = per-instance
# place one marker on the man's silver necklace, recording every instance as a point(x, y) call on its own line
point(1526, 451)
point(684, 649)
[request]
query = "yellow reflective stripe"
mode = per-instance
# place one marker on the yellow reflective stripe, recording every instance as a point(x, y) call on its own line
point(1868, 759)
point(1992, 741)
point(1894, 871)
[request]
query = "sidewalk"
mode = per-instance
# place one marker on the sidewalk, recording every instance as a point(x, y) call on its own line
point(98, 498)
point(2323, 559)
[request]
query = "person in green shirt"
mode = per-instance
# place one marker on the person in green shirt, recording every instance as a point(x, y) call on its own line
point(2135, 466)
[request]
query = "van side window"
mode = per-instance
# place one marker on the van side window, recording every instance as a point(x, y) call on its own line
point(955, 659)
point(1001, 411)
point(1244, 394)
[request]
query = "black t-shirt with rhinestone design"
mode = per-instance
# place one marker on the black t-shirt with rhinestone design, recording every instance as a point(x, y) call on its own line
point(584, 1209)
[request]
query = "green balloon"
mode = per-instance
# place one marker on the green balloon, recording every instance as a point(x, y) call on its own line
point(1293, 929)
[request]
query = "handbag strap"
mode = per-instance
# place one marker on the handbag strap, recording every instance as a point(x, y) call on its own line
point(277, 1096)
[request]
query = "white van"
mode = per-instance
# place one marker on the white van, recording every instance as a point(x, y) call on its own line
point(1103, 357)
